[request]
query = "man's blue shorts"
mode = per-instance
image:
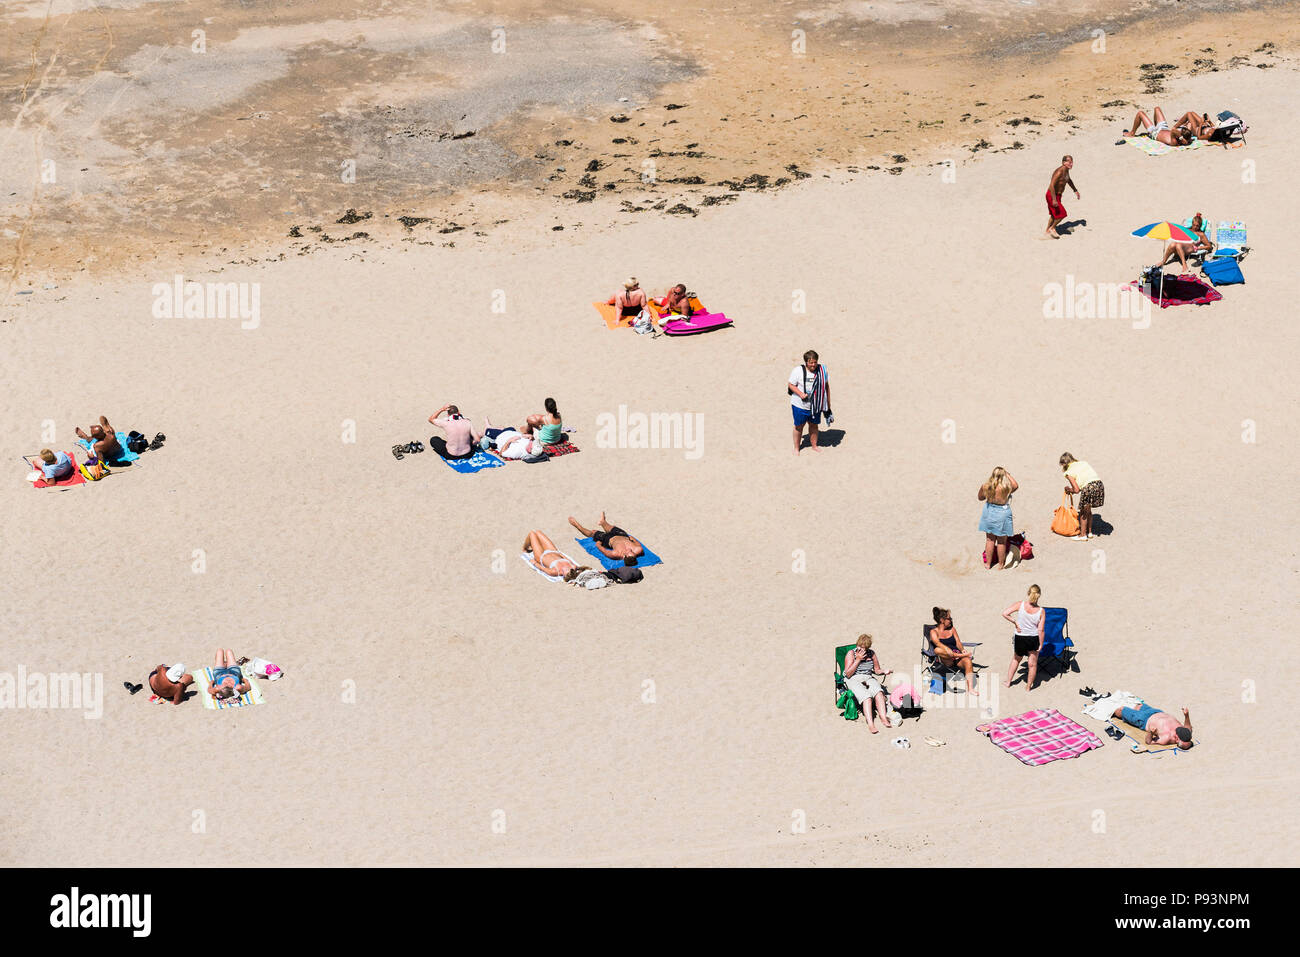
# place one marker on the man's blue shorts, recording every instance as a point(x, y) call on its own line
point(1138, 717)
point(801, 416)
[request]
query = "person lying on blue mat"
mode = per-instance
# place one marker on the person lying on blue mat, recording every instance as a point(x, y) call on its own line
point(612, 541)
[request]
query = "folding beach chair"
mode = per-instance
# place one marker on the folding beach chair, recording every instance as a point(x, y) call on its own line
point(932, 668)
point(1058, 654)
point(1229, 241)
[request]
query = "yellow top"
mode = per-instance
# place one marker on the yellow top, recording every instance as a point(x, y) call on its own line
point(1082, 473)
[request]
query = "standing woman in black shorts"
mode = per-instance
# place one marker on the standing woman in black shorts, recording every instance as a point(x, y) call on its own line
point(1027, 617)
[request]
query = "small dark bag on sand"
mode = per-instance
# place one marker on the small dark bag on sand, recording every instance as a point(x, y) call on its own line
point(625, 574)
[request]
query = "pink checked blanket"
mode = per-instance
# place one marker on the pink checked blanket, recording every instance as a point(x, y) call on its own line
point(1037, 737)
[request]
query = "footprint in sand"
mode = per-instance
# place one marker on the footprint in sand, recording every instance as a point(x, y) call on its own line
point(954, 566)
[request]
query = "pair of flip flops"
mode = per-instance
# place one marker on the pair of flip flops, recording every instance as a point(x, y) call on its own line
point(1114, 732)
point(157, 442)
point(1090, 692)
point(901, 743)
point(134, 689)
point(410, 448)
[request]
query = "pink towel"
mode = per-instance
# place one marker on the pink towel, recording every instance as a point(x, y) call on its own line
point(1039, 737)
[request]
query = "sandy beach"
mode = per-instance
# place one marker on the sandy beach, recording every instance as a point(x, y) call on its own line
point(442, 703)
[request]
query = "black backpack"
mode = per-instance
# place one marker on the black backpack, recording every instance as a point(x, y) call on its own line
point(626, 574)
point(136, 442)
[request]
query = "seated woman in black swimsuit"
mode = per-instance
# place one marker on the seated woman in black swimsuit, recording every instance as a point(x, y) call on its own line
point(948, 647)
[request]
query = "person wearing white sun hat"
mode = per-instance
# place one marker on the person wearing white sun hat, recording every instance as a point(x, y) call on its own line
point(170, 682)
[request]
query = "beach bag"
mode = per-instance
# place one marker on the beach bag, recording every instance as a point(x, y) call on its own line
point(1066, 520)
point(1223, 272)
point(136, 442)
point(625, 574)
point(1018, 541)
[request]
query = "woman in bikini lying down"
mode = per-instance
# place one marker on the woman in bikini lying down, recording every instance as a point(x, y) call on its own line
point(549, 560)
point(1160, 130)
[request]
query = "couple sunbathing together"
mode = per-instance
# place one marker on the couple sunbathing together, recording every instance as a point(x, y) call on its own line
point(612, 541)
point(463, 441)
point(104, 447)
point(228, 680)
point(633, 303)
point(1189, 127)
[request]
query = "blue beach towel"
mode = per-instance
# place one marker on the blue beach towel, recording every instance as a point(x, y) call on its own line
point(475, 463)
point(127, 454)
point(644, 560)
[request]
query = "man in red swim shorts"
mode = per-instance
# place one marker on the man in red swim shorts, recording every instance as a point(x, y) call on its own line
point(1055, 189)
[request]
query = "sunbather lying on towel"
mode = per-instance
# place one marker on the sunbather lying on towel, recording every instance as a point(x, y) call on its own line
point(227, 680)
point(103, 441)
point(1161, 726)
point(612, 541)
point(170, 683)
point(548, 559)
point(1159, 130)
point(1199, 125)
point(1181, 251)
point(461, 438)
point(55, 466)
point(510, 443)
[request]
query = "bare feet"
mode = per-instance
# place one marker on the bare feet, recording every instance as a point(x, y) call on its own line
point(873, 729)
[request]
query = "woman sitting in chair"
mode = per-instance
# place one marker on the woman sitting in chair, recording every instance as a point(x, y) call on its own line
point(1181, 251)
point(862, 676)
point(948, 648)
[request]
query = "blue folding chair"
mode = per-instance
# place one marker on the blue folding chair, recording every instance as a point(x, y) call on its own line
point(1058, 653)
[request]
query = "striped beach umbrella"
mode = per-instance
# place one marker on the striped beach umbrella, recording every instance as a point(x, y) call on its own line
point(1165, 232)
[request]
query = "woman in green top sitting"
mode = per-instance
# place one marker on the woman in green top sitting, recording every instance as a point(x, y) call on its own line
point(548, 426)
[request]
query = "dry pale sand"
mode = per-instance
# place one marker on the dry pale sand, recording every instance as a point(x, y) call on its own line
point(430, 696)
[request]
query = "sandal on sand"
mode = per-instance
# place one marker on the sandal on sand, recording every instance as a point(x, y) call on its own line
point(934, 742)
point(134, 689)
point(397, 451)
point(901, 743)
point(1088, 691)
point(417, 446)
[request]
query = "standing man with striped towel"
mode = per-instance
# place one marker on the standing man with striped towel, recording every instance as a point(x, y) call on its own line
point(810, 398)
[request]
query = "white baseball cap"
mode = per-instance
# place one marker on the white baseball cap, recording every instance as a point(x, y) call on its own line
point(175, 672)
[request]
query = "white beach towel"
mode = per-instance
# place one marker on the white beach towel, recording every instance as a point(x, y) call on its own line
point(550, 578)
point(1103, 708)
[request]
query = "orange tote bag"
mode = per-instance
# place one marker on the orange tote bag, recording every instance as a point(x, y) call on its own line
point(1066, 519)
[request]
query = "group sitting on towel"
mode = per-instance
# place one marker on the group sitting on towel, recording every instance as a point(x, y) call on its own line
point(633, 303)
point(463, 440)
